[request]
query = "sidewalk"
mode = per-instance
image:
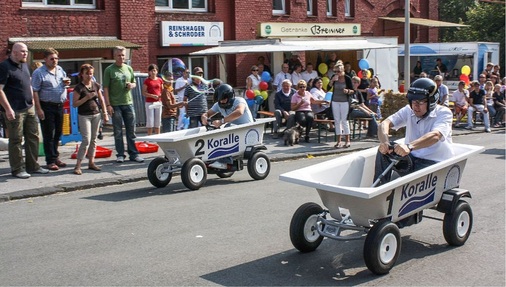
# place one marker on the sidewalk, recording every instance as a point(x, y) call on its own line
point(112, 173)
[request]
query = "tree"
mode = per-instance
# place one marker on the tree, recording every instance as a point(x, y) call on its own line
point(485, 19)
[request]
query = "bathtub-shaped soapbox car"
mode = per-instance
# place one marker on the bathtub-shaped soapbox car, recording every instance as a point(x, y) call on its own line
point(354, 209)
point(191, 151)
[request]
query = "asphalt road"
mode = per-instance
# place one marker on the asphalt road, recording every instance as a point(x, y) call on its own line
point(235, 232)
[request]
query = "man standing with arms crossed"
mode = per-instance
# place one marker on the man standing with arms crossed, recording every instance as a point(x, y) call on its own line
point(119, 80)
point(16, 103)
point(49, 93)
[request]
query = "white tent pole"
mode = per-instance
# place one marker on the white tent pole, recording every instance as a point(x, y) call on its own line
point(407, 58)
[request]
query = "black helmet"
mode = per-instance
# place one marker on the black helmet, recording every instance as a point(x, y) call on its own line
point(421, 89)
point(225, 91)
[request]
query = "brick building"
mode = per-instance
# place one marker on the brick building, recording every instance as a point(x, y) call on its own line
point(86, 30)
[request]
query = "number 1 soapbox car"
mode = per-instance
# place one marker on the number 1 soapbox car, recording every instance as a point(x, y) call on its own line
point(354, 209)
point(191, 152)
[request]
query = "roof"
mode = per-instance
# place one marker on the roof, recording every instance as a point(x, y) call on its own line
point(72, 43)
point(292, 45)
point(424, 22)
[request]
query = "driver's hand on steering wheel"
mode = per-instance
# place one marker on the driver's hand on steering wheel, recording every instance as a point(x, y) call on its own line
point(216, 123)
point(401, 150)
point(384, 148)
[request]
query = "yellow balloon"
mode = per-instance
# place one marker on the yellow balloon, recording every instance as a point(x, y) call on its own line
point(323, 68)
point(325, 82)
point(466, 70)
point(264, 95)
point(257, 92)
point(369, 74)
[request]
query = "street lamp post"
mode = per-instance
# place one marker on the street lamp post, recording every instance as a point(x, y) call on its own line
point(406, 46)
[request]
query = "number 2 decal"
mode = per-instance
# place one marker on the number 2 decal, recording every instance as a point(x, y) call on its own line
point(390, 199)
point(199, 145)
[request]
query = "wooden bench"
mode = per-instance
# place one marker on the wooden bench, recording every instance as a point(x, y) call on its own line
point(356, 122)
point(320, 123)
point(267, 114)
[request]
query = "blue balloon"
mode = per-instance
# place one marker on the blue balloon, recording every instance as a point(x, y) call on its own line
point(259, 100)
point(363, 64)
point(328, 96)
point(266, 77)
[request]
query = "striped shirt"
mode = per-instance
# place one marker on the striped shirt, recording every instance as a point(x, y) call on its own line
point(197, 101)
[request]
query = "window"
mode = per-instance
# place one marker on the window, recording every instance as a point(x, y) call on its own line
point(309, 7)
point(348, 8)
point(60, 3)
point(194, 5)
point(329, 7)
point(278, 7)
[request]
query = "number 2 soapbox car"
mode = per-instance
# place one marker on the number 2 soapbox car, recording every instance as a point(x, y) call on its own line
point(354, 209)
point(191, 152)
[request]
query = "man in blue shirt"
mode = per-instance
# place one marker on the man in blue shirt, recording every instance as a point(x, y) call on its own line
point(49, 92)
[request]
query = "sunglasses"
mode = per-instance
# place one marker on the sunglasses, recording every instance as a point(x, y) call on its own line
point(302, 87)
point(52, 59)
point(419, 102)
point(255, 70)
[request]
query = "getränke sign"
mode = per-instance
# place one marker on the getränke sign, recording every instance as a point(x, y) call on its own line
point(308, 29)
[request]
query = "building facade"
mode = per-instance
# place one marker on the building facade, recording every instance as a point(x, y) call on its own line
point(158, 30)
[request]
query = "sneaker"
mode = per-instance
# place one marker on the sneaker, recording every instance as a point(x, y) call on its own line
point(120, 158)
point(22, 174)
point(469, 127)
point(138, 159)
point(487, 130)
point(218, 165)
point(100, 136)
point(41, 170)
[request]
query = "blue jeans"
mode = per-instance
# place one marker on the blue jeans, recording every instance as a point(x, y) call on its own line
point(124, 114)
point(372, 129)
point(168, 124)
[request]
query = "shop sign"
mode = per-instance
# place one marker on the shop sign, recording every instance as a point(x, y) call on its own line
point(308, 29)
point(182, 33)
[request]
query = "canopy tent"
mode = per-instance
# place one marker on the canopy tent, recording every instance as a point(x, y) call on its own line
point(38, 44)
point(424, 22)
point(292, 45)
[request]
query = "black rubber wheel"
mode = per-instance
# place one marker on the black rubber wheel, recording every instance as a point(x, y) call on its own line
point(457, 225)
point(194, 173)
point(259, 166)
point(303, 230)
point(224, 174)
point(155, 175)
point(382, 247)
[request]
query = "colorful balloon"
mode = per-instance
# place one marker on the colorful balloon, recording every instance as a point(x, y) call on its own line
point(363, 64)
point(250, 94)
point(266, 77)
point(323, 68)
point(463, 77)
point(259, 100)
point(466, 70)
point(264, 95)
point(325, 82)
point(369, 74)
point(263, 86)
point(257, 92)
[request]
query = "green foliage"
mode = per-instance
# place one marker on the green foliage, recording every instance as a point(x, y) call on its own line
point(485, 20)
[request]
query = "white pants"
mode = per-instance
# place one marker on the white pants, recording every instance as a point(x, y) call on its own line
point(340, 111)
point(180, 123)
point(486, 118)
point(153, 115)
point(88, 127)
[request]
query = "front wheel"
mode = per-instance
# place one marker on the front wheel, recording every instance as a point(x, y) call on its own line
point(303, 228)
point(194, 173)
point(259, 166)
point(156, 175)
point(457, 224)
point(382, 247)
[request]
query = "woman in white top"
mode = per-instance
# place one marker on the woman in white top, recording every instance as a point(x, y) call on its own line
point(253, 80)
point(320, 107)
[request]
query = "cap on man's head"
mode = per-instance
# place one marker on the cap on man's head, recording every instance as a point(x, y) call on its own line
point(197, 70)
point(475, 83)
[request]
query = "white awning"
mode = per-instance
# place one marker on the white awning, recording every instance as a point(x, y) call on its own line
point(424, 22)
point(292, 45)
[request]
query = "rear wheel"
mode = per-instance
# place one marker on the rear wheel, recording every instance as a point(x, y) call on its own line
point(303, 229)
point(259, 166)
point(457, 224)
point(382, 247)
point(194, 173)
point(156, 175)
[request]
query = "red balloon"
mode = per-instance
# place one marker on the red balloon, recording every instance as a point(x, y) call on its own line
point(401, 88)
point(250, 94)
point(464, 78)
point(359, 74)
point(263, 86)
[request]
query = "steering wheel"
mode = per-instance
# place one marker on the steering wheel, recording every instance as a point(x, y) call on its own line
point(402, 164)
point(210, 126)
